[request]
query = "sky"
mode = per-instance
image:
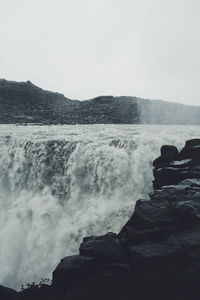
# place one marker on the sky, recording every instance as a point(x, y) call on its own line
point(86, 48)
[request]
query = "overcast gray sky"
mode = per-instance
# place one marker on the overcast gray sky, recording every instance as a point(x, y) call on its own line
point(85, 48)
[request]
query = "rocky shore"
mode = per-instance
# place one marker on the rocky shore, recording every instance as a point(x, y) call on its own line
point(156, 255)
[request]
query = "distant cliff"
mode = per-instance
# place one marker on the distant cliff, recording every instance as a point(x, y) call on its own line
point(23, 102)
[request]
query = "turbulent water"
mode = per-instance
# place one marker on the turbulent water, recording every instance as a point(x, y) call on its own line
point(60, 183)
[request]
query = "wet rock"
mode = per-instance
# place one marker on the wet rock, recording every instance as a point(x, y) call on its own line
point(151, 220)
point(173, 176)
point(172, 170)
point(105, 248)
point(191, 149)
point(42, 292)
point(150, 252)
point(72, 269)
point(187, 239)
point(7, 293)
point(169, 153)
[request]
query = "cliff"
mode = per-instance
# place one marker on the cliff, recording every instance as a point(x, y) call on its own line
point(155, 255)
point(23, 102)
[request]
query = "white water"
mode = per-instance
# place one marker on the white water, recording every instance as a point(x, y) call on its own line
point(60, 183)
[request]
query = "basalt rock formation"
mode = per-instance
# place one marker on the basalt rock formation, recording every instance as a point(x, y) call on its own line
point(156, 255)
point(24, 102)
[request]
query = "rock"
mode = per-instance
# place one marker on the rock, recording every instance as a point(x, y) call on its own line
point(185, 240)
point(151, 220)
point(192, 143)
point(187, 211)
point(7, 293)
point(151, 213)
point(106, 248)
point(191, 149)
point(42, 292)
point(173, 176)
point(185, 163)
point(168, 154)
point(72, 269)
point(150, 252)
point(173, 168)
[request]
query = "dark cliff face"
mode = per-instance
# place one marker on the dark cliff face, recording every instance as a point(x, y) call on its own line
point(156, 255)
point(24, 102)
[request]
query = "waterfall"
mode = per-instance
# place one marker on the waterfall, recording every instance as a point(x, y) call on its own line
point(162, 112)
point(60, 183)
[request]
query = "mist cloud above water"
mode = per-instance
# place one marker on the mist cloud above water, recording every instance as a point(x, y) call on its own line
point(87, 48)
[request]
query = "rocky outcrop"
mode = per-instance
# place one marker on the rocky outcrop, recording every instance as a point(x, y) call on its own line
point(156, 255)
point(173, 167)
point(24, 102)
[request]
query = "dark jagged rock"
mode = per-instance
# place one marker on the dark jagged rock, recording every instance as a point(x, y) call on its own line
point(156, 255)
point(72, 269)
point(95, 252)
point(41, 292)
point(169, 170)
point(105, 248)
point(191, 150)
point(168, 154)
point(7, 293)
point(150, 251)
point(151, 220)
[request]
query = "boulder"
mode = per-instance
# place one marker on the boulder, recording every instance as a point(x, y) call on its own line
point(169, 153)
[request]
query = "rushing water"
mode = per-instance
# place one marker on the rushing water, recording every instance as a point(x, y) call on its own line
point(60, 183)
